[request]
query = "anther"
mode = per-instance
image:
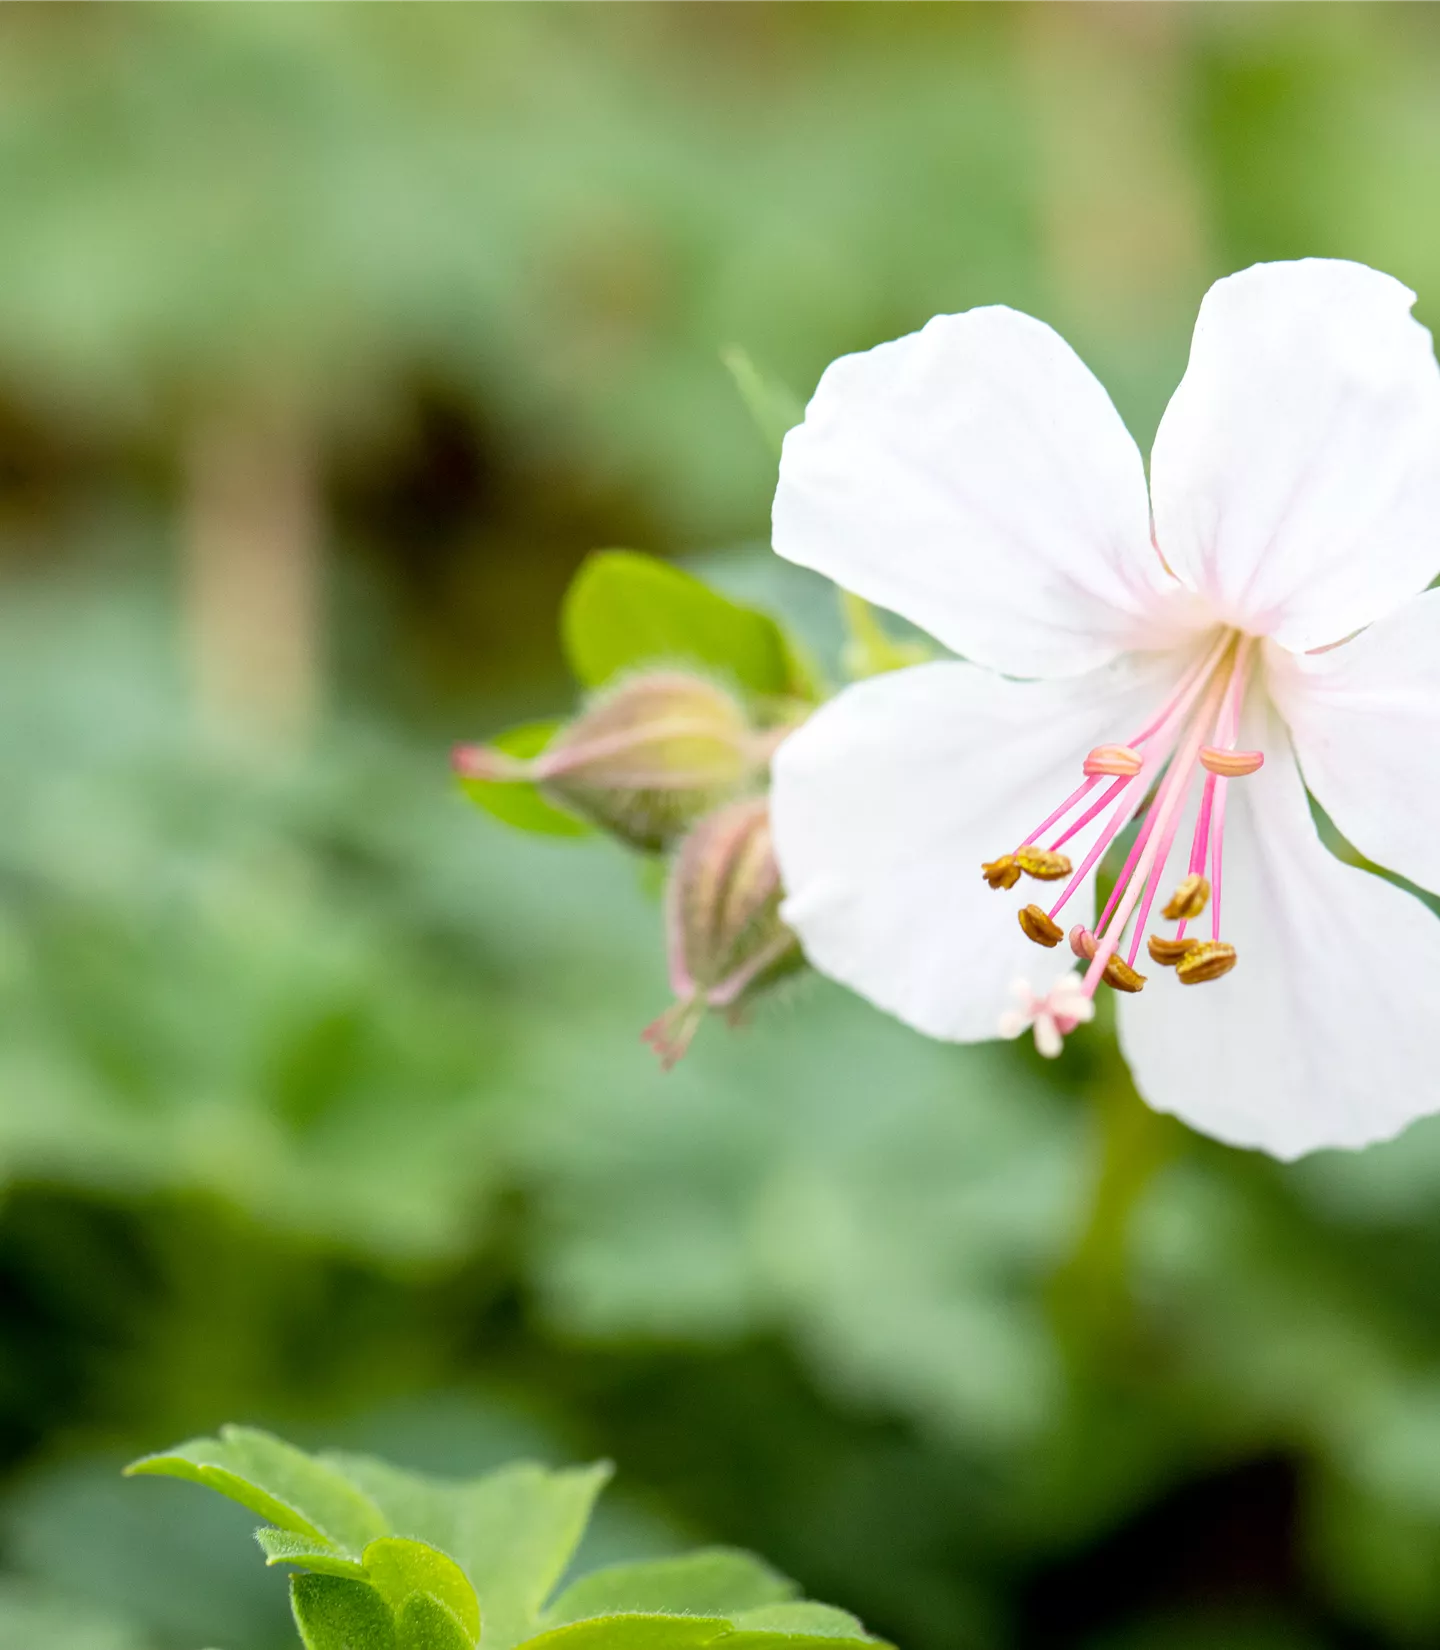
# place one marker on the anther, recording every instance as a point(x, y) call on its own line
point(1082, 942)
point(1208, 961)
point(1002, 872)
point(1188, 900)
point(1117, 761)
point(1040, 928)
point(1169, 952)
point(1041, 863)
point(1118, 973)
point(1230, 764)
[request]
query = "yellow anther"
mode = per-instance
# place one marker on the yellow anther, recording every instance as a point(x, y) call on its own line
point(1002, 872)
point(1188, 900)
point(1169, 952)
point(1208, 961)
point(1119, 761)
point(1231, 764)
point(1120, 974)
point(1041, 864)
point(1040, 928)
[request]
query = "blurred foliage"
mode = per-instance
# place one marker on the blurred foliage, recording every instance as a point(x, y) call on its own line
point(321, 1096)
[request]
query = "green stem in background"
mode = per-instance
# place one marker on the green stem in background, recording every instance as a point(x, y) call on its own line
point(774, 408)
point(1091, 1294)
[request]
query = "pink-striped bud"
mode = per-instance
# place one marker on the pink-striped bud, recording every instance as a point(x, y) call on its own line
point(645, 759)
point(725, 940)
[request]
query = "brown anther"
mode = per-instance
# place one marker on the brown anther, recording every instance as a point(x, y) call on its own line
point(1040, 928)
point(1002, 872)
point(1169, 952)
point(1118, 761)
point(1230, 764)
point(1082, 942)
point(1188, 900)
point(1208, 961)
point(1120, 974)
point(1041, 863)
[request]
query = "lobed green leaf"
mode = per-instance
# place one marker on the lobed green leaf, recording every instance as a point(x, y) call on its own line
point(298, 1492)
point(335, 1614)
point(633, 1631)
point(624, 609)
point(797, 1625)
point(715, 1581)
point(402, 1571)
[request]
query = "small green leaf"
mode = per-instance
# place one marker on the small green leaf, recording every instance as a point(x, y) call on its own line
point(288, 1547)
point(333, 1614)
point(799, 1625)
point(512, 1531)
point(774, 408)
point(398, 1568)
point(633, 1632)
point(277, 1481)
point(713, 1582)
point(517, 802)
point(624, 609)
point(424, 1623)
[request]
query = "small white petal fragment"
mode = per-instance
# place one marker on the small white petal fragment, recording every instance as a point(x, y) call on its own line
point(1053, 1016)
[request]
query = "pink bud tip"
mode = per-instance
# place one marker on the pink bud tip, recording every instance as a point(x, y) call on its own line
point(1117, 761)
point(1230, 764)
point(481, 762)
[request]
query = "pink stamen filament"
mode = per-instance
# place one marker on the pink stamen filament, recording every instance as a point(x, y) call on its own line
point(1061, 811)
point(1208, 698)
point(1165, 727)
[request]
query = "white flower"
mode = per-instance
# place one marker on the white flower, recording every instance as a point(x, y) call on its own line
point(975, 478)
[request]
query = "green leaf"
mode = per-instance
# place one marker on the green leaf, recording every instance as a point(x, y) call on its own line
point(797, 1626)
point(633, 1632)
point(517, 802)
point(333, 1614)
point(424, 1623)
point(398, 1568)
point(774, 408)
point(512, 1531)
point(298, 1492)
point(624, 609)
point(289, 1547)
point(717, 1581)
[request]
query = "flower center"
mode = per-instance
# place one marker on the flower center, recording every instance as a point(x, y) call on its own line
point(1150, 776)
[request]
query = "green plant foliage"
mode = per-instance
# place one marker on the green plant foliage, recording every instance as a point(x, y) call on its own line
point(500, 1544)
point(717, 1582)
point(518, 802)
point(625, 609)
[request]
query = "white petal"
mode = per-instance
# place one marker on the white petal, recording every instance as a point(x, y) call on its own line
point(887, 800)
point(1365, 718)
point(1296, 472)
point(975, 478)
point(1324, 1034)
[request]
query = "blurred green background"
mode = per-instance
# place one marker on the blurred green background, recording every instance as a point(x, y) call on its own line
point(331, 338)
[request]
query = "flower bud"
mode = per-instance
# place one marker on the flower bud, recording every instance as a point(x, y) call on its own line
point(726, 941)
point(645, 759)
